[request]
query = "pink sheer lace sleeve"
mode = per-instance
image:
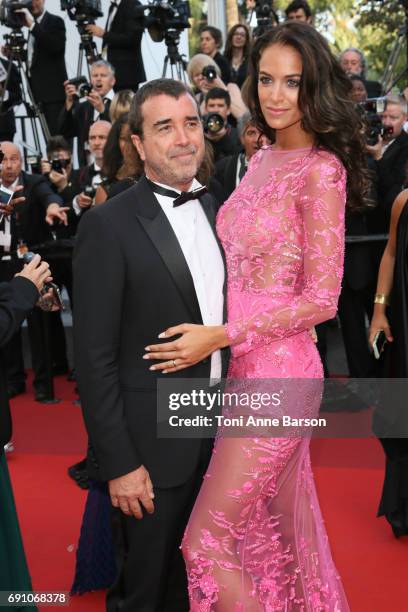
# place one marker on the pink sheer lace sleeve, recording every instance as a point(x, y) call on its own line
point(297, 285)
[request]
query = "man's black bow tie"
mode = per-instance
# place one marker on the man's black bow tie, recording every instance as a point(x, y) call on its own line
point(179, 198)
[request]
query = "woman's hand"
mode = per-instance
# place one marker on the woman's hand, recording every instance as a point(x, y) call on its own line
point(195, 344)
point(379, 323)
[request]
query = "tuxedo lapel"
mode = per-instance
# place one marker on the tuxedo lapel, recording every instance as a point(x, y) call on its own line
point(160, 232)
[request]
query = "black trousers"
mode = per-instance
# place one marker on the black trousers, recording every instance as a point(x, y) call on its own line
point(152, 576)
point(51, 112)
point(354, 305)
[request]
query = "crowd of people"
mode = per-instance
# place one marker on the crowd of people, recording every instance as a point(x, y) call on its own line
point(227, 132)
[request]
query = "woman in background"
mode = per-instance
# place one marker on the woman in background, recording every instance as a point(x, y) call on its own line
point(392, 290)
point(237, 52)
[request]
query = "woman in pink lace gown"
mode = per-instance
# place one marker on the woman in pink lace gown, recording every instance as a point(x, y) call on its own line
point(256, 540)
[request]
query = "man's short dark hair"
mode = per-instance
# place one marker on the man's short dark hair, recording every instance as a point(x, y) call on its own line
point(157, 87)
point(296, 5)
point(216, 93)
point(215, 33)
point(57, 143)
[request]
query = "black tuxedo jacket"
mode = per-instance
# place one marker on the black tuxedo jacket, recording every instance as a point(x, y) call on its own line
point(48, 71)
point(123, 43)
point(226, 173)
point(77, 121)
point(131, 281)
point(7, 120)
point(17, 298)
point(28, 219)
point(392, 174)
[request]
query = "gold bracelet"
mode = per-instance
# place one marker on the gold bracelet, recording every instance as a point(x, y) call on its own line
point(381, 298)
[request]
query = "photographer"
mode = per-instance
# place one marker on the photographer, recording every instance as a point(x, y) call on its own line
point(204, 75)
point(90, 176)
point(210, 44)
point(224, 138)
point(391, 155)
point(23, 228)
point(121, 41)
point(45, 59)
point(77, 116)
point(11, 97)
point(299, 10)
point(230, 170)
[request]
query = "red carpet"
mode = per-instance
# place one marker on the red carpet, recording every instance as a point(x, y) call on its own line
point(348, 474)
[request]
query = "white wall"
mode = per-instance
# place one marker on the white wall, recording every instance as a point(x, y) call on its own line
point(153, 53)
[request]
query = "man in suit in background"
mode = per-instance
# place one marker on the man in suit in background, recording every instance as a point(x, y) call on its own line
point(138, 268)
point(230, 170)
point(46, 60)
point(122, 40)
point(11, 97)
point(391, 156)
point(23, 229)
point(77, 116)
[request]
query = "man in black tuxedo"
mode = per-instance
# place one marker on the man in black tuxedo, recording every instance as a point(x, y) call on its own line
point(23, 229)
point(77, 116)
point(46, 60)
point(12, 97)
point(391, 157)
point(137, 271)
point(229, 171)
point(122, 41)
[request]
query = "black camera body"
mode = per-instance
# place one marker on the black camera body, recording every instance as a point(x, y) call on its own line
point(167, 16)
point(58, 165)
point(8, 15)
point(213, 123)
point(209, 72)
point(82, 10)
point(371, 109)
point(90, 191)
point(83, 87)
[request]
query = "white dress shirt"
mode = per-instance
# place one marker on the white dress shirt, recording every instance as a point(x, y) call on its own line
point(5, 233)
point(203, 257)
point(108, 96)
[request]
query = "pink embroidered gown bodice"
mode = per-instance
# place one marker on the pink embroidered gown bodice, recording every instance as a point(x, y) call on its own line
point(256, 540)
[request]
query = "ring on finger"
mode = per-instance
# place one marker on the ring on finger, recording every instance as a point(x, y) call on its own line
point(174, 363)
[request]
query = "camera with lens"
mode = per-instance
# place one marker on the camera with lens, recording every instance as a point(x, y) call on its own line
point(90, 191)
point(209, 72)
point(213, 123)
point(83, 87)
point(82, 10)
point(167, 16)
point(58, 165)
point(8, 15)
point(374, 128)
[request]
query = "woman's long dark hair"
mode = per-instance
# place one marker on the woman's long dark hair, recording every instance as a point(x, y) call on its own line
point(329, 114)
point(228, 44)
point(112, 155)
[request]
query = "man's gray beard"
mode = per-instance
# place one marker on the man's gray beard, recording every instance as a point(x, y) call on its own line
point(170, 178)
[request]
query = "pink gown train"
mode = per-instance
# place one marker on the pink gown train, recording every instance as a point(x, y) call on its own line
point(256, 540)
